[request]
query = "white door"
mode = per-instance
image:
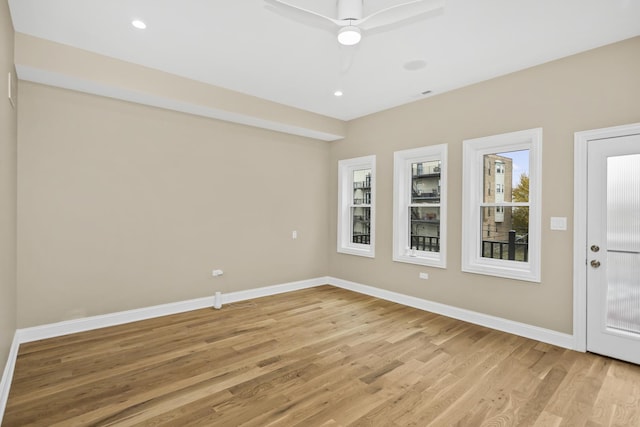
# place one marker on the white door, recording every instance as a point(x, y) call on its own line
point(613, 247)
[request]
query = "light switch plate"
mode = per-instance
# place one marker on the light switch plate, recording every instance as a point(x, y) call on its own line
point(559, 223)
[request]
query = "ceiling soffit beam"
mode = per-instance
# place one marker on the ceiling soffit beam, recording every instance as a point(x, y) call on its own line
point(42, 61)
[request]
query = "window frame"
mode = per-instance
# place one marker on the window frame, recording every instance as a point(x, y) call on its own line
point(474, 151)
point(402, 186)
point(346, 169)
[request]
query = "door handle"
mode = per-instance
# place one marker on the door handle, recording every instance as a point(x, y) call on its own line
point(595, 263)
point(595, 248)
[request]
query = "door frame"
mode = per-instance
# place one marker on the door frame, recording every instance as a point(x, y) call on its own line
point(580, 159)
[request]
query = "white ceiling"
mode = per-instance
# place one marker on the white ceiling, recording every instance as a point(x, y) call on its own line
point(244, 46)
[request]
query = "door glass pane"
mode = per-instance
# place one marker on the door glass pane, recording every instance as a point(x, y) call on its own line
point(425, 228)
point(623, 243)
point(505, 232)
point(425, 182)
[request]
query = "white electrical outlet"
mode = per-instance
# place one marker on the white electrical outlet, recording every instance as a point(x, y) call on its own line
point(294, 234)
point(216, 273)
point(423, 276)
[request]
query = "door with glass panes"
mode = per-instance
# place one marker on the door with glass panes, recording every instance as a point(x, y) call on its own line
point(613, 247)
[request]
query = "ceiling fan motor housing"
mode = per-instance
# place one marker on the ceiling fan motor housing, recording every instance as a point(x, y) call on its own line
point(349, 9)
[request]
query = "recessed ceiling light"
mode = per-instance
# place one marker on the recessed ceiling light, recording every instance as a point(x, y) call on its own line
point(338, 93)
point(138, 24)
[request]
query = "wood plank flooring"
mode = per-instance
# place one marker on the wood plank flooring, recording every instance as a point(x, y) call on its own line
point(317, 357)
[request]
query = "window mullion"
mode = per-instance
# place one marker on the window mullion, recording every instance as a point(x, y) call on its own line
point(506, 204)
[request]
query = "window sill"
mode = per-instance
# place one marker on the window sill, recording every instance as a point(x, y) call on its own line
point(504, 269)
point(427, 261)
point(368, 252)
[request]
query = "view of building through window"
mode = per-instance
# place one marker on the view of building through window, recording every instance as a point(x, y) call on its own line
point(424, 210)
point(505, 211)
point(361, 207)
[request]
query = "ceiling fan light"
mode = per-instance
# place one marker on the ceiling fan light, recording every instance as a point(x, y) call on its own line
point(349, 35)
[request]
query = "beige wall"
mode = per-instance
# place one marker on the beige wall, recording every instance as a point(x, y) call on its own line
point(8, 141)
point(595, 89)
point(124, 206)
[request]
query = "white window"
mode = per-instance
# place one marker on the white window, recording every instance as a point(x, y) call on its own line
point(420, 206)
point(356, 206)
point(501, 229)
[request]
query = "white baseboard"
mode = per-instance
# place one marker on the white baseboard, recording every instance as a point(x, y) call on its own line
point(7, 375)
point(272, 290)
point(66, 327)
point(522, 329)
point(95, 322)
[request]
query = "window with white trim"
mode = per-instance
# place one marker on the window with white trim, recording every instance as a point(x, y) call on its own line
point(356, 206)
point(420, 206)
point(501, 212)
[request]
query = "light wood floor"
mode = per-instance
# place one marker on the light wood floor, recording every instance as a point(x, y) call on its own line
point(317, 357)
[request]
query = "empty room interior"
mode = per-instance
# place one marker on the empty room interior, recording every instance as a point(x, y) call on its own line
point(284, 213)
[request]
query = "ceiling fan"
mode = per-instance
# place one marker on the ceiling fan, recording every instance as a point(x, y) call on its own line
point(350, 21)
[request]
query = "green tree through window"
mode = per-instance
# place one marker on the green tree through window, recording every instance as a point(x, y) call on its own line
point(521, 215)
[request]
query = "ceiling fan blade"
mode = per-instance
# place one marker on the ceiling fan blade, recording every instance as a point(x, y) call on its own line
point(400, 12)
point(401, 24)
point(347, 55)
point(300, 14)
